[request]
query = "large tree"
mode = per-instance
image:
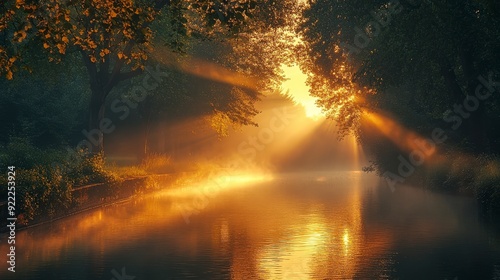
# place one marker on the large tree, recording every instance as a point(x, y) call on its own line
point(431, 51)
point(114, 38)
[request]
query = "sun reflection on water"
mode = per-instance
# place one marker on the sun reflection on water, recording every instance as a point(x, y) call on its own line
point(272, 236)
point(317, 246)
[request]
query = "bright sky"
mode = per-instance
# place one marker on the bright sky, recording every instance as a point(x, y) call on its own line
point(296, 85)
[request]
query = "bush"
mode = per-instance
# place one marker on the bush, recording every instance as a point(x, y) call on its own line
point(47, 189)
point(20, 153)
point(45, 178)
point(83, 168)
point(43, 190)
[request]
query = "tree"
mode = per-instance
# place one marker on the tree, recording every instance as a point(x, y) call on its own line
point(434, 50)
point(115, 37)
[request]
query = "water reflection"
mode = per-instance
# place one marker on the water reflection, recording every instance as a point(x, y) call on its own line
point(314, 240)
point(295, 257)
point(307, 226)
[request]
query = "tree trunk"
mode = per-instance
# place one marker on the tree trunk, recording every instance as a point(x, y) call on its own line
point(102, 80)
point(101, 84)
point(96, 114)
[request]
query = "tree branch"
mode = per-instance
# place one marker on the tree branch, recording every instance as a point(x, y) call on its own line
point(123, 77)
point(116, 74)
point(91, 68)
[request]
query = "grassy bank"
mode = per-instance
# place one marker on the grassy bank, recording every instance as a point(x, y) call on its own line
point(47, 180)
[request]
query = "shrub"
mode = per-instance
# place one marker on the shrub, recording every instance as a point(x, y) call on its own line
point(43, 190)
point(83, 168)
point(20, 153)
point(45, 178)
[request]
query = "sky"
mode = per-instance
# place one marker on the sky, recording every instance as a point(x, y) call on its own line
point(298, 89)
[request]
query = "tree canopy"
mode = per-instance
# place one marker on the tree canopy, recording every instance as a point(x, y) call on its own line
point(410, 58)
point(116, 38)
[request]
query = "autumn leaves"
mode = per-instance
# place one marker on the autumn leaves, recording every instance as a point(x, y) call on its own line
point(97, 27)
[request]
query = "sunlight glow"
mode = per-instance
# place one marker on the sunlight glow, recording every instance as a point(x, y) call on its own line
point(345, 237)
point(303, 254)
point(357, 152)
point(307, 244)
point(299, 90)
point(403, 137)
point(205, 69)
point(216, 183)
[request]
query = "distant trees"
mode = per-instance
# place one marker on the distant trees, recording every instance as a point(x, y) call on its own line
point(115, 38)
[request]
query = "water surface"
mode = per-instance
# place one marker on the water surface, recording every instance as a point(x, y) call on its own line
point(337, 225)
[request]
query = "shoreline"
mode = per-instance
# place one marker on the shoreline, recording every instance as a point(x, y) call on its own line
point(98, 195)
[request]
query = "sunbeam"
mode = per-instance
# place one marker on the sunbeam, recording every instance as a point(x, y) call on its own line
point(406, 139)
point(205, 69)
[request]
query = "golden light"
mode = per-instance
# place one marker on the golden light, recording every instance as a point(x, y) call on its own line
point(357, 151)
point(403, 137)
point(299, 90)
point(345, 237)
point(205, 69)
point(303, 252)
point(216, 183)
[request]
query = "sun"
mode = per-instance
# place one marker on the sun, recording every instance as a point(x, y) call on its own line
point(299, 90)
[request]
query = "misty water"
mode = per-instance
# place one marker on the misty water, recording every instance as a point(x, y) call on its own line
point(322, 225)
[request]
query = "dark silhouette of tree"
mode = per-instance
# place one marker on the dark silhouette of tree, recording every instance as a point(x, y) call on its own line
point(431, 51)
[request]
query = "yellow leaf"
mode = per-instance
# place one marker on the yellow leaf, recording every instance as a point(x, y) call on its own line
point(120, 55)
point(45, 46)
point(65, 39)
point(62, 48)
point(9, 75)
point(19, 3)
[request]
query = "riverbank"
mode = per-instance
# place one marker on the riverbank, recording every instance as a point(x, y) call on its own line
point(91, 196)
point(455, 173)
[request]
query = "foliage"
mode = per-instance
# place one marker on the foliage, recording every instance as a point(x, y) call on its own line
point(83, 168)
point(431, 52)
point(43, 191)
point(98, 28)
point(41, 106)
point(19, 152)
point(45, 178)
point(116, 38)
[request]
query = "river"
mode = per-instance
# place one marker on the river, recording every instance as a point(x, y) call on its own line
point(321, 225)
